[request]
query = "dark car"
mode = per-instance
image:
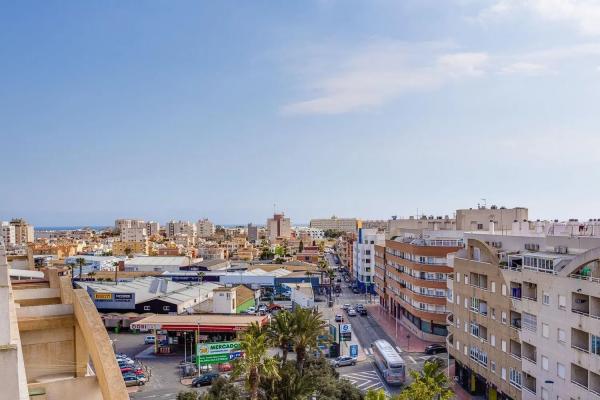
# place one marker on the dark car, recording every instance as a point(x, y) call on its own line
point(339, 318)
point(355, 290)
point(435, 349)
point(205, 379)
point(362, 311)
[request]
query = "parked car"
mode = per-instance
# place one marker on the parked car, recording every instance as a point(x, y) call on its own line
point(132, 380)
point(205, 379)
point(355, 290)
point(226, 367)
point(343, 361)
point(435, 349)
point(150, 339)
point(125, 362)
point(251, 310)
point(352, 312)
point(339, 318)
point(346, 307)
point(262, 307)
point(363, 312)
point(359, 306)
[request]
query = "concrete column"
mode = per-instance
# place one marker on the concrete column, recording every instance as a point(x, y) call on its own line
point(82, 355)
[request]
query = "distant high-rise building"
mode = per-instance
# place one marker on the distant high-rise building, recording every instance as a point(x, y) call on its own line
point(120, 224)
point(7, 232)
point(176, 228)
point(252, 233)
point(152, 228)
point(279, 227)
point(334, 223)
point(205, 228)
point(23, 231)
point(134, 235)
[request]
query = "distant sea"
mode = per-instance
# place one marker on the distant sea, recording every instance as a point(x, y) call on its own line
point(69, 228)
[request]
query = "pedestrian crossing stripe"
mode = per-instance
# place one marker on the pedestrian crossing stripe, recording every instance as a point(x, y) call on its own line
point(412, 359)
point(368, 351)
point(399, 349)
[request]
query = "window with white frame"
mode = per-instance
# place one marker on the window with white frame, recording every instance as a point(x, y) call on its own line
point(503, 289)
point(545, 363)
point(493, 340)
point(546, 298)
point(493, 287)
point(493, 366)
point(545, 330)
point(504, 346)
point(504, 317)
point(529, 322)
point(515, 377)
point(562, 336)
point(503, 373)
point(560, 370)
point(562, 302)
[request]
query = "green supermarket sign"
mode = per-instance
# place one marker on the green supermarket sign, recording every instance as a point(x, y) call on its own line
point(213, 359)
point(203, 349)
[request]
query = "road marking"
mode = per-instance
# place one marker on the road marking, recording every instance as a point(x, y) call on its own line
point(368, 351)
point(425, 358)
point(412, 359)
point(399, 349)
point(376, 384)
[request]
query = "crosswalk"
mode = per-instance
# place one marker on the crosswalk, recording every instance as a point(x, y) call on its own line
point(365, 380)
point(411, 359)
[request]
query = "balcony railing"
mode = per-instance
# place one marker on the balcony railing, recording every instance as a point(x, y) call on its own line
point(580, 348)
point(529, 359)
point(585, 278)
point(581, 385)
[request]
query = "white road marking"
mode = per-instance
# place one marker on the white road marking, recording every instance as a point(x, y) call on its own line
point(399, 349)
point(377, 385)
point(368, 351)
point(412, 359)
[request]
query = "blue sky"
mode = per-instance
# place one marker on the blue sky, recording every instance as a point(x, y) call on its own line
point(220, 109)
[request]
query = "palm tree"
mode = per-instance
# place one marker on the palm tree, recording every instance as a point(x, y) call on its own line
point(430, 383)
point(256, 363)
point(116, 265)
point(92, 274)
point(81, 262)
point(281, 332)
point(307, 326)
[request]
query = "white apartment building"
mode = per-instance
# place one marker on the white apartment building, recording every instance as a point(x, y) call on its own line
point(123, 223)
point(152, 228)
point(335, 223)
point(363, 253)
point(205, 228)
point(211, 252)
point(534, 295)
point(174, 228)
point(313, 233)
point(24, 232)
point(137, 234)
point(7, 233)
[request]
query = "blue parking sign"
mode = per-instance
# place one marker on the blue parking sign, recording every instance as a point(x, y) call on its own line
point(353, 350)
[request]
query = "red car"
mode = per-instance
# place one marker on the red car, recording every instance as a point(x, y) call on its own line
point(225, 367)
point(129, 370)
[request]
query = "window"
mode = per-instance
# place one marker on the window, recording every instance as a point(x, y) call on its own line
point(466, 303)
point(545, 394)
point(545, 363)
point(503, 289)
point(166, 308)
point(493, 340)
point(546, 299)
point(146, 308)
point(560, 370)
point(515, 377)
point(530, 322)
point(493, 312)
point(545, 330)
point(596, 344)
point(466, 327)
point(457, 299)
point(504, 374)
point(458, 277)
point(493, 366)
point(503, 317)
point(493, 287)
point(465, 350)
point(562, 302)
point(458, 345)
point(466, 279)
point(562, 337)
point(504, 346)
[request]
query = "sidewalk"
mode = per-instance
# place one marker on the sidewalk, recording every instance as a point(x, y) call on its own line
point(329, 314)
point(396, 330)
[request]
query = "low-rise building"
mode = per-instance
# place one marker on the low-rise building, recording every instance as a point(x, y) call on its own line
point(120, 248)
point(158, 264)
point(233, 300)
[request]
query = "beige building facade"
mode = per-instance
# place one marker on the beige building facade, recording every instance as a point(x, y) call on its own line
point(349, 225)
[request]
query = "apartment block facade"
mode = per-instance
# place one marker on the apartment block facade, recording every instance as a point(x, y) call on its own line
point(411, 273)
point(363, 253)
point(24, 232)
point(7, 233)
point(349, 225)
point(205, 228)
point(525, 311)
point(279, 227)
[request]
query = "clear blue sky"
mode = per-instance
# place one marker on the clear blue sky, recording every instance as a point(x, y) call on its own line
point(219, 109)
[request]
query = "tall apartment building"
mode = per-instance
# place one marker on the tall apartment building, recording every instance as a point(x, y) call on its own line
point(410, 278)
point(120, 224)
point(152, 228)
point(363, 253)
point(133, 234)
point(525, 311)
point(252, 233)
point(343, 247)
point(335, 223)
point(24, 232)
point(279, 227)
point(174, 228)
point(205, 228)
point(7, 233)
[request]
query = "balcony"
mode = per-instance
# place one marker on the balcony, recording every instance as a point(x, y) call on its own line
point(478, 281)
point(530, 291)
point(515, 320)
point(450, 319)
point(450, 341)
point(580, 340)
point(516, 290)
point(579, 376)
point(479, 306)
point(580, 303)
point(529, 352)
point(515, 349)
point(529, 383)
point(594, 383)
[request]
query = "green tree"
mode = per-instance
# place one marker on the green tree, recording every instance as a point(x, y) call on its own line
point(375, 395)
point(128, 252)
point(281, 332)
point(81, 262)
point(307, 326)
point(301, 247)
point(430, 383)
point(116, 266)
point(256, 364)
point(289, 386)
point(221, 389)
point(187, 395)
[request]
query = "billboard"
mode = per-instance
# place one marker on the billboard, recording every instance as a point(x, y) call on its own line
point(218, 352)
point(103, 296)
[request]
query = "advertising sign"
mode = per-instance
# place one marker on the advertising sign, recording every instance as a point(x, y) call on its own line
point(218, 352)
point(353, 350)
point(345, 328)
point(345, 332)
point(103, 296)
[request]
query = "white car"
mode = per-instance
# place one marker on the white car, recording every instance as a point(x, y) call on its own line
point(150, 339)
point(352, 312)
point(251, 310)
